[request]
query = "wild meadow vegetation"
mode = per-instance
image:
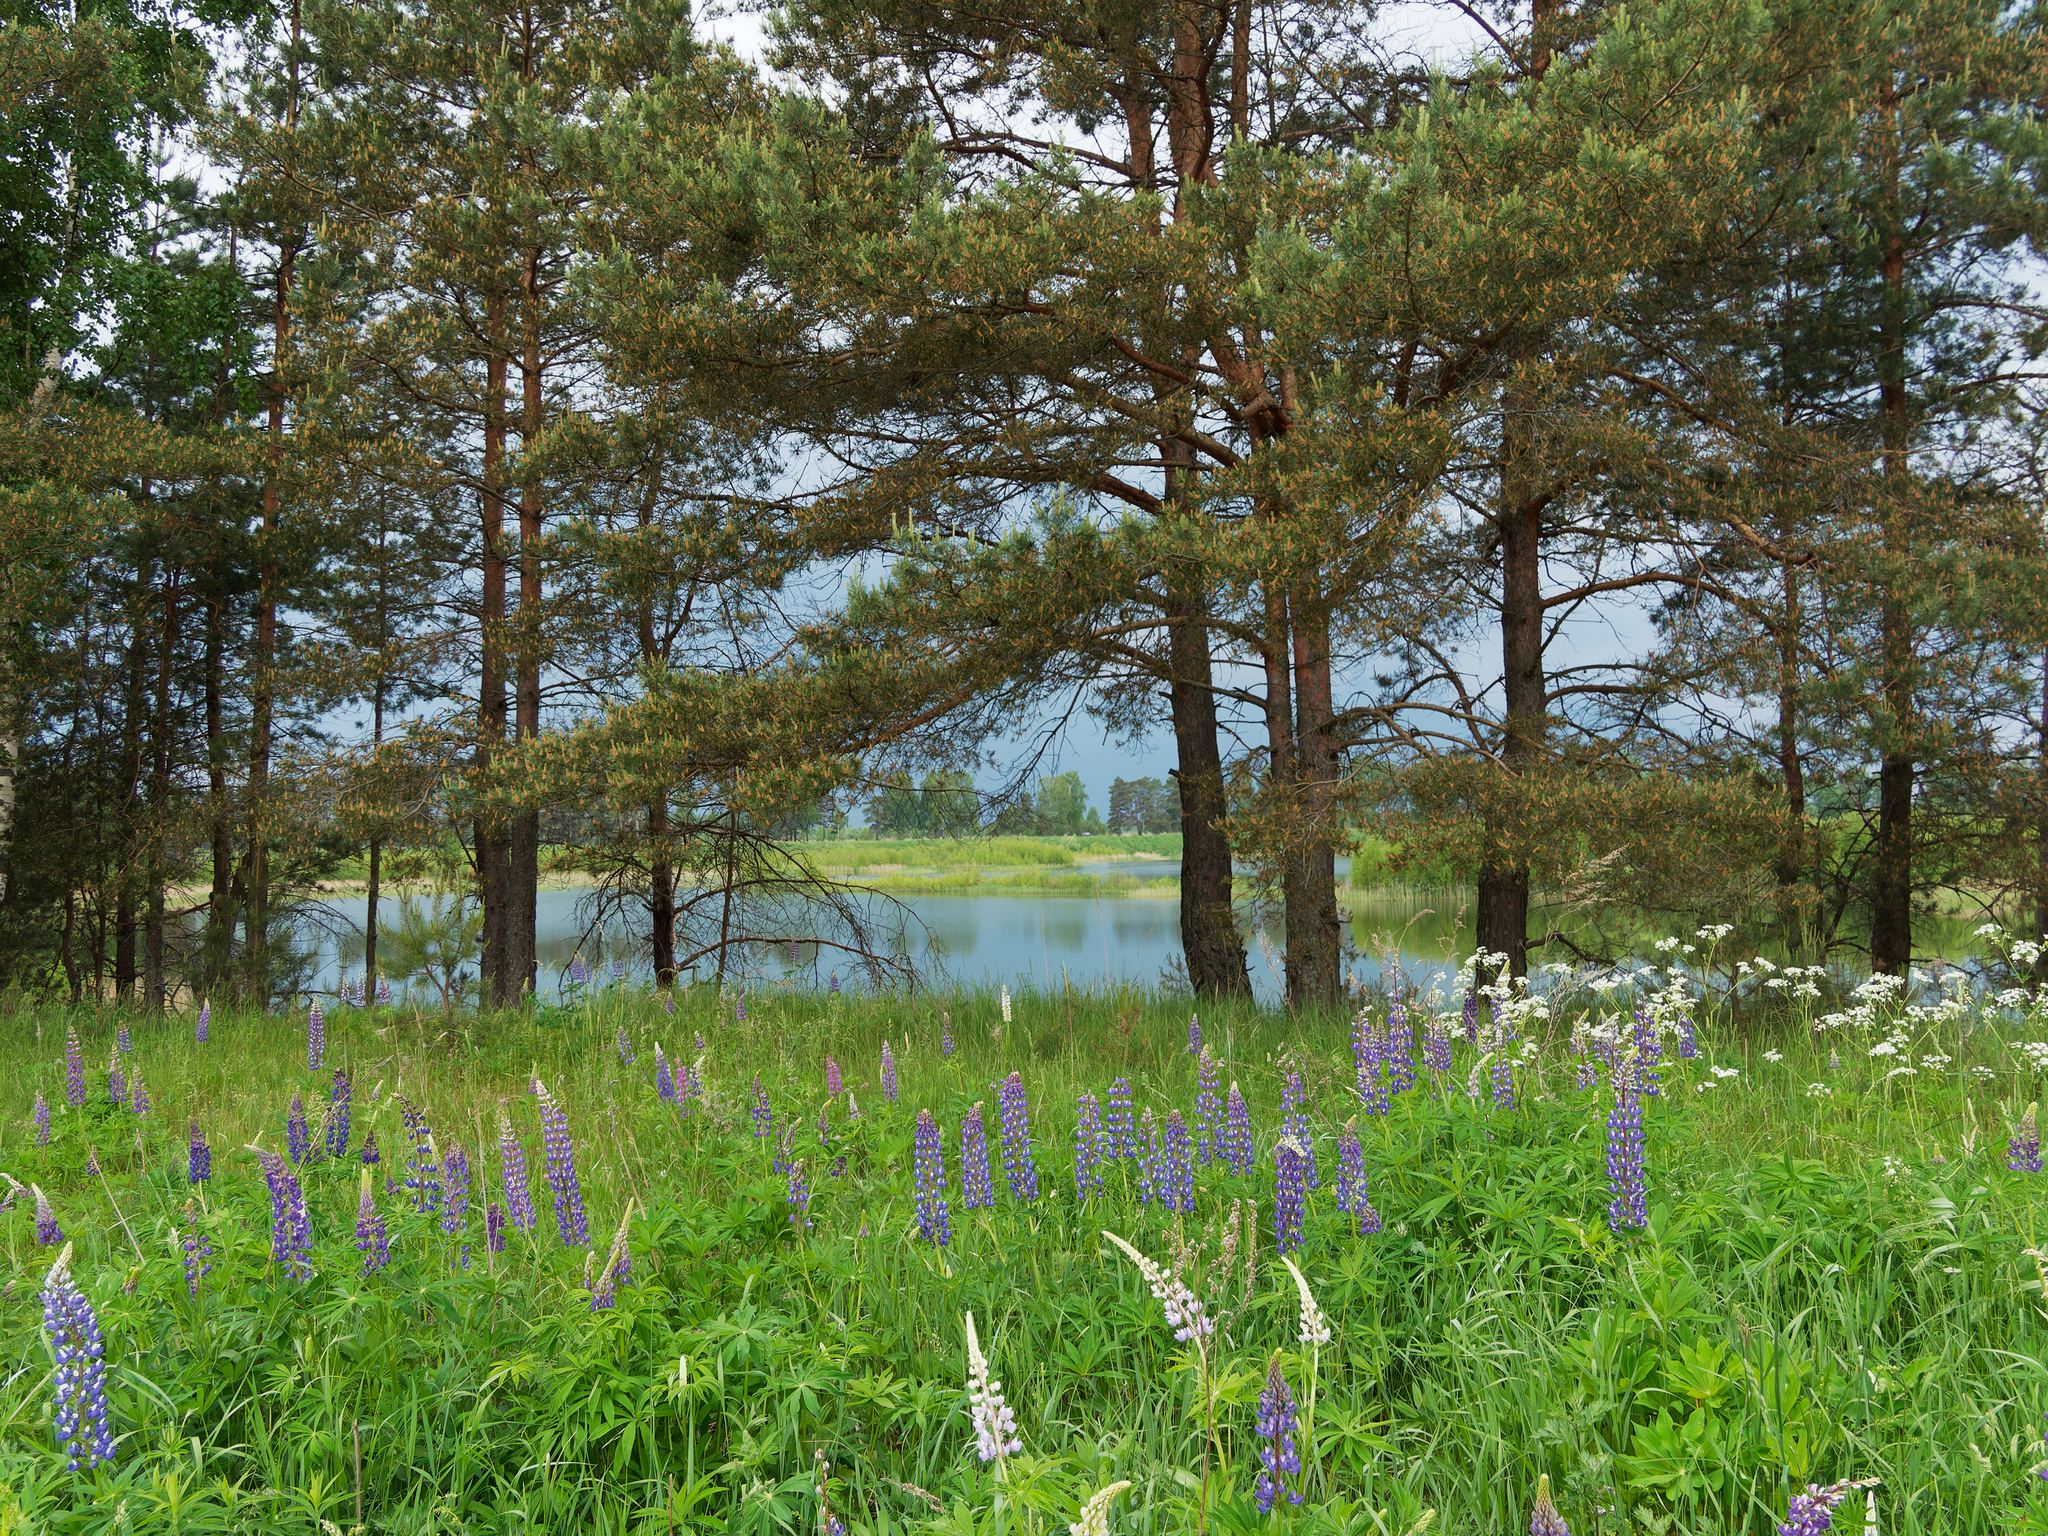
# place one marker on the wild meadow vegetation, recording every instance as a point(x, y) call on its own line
point(1818, 1263)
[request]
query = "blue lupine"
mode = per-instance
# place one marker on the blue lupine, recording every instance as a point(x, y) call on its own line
point(383, 992)
point(298, 1139)
point(625, 1043)
point(138, 1094)
point(824, 1127)
point(122, 1042)
point(2023, 1154)
point(797, 1192)
point(1649, 1052)
point(198, 1251)
point(371, 1237)
point(198, 1157)
point(1120, 1125)
point(40, 1118)
point(1544, 1520)
point(888, 1073)
point(1812, 1512)
point(117, 1080)
point(1688, 1038)
point(48, 1232)
point(79, 1385)
point(205, 1018)
point(1503, 1077)
point(1294, 1123)
point(291, 1238)
point(579, 973)
point(945, 1034)
point(1018, 1166)
point(1629, 1208)
point(1436, 1048)
point(1238, 1146)
point(422, 1166)
point(455, 1195)
point(494, 1226)
point(1400, 1049)
point(1279, 1457)
point(1367, 1051)
point(1148, 1159)
point(74, 1070)
point(1350, 1166)
point(370, 1154)
point(764, 1117)
point(1087, 1146)
point(833, 1082)
point(784, 1149)
point(618, 970)
point(977, 1190)
point(929, 1176)
point(316, 1037)
point(1176, 1177)
point(1471, 1016)
point(664, 1079)
point(1208, 1110)
point(512, 1162)
point(1290, 1195)
point(1194, 1034)
point(340, 1097)
point(570, 1219)
point(689, 1089)
point(618, 1265)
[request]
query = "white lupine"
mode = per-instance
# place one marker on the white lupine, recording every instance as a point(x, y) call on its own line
point(1006, 1005)
point(995, 1426)
point(1094, 1519)
point(1315, 1328)
point(1183, 1308)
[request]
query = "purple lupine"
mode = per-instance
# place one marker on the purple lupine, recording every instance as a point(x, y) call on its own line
point(1279, 1458)
point(74, 1070)
point(92, 1161)
point(1629, 1208)
point(1503, 1076)
point(1400, 1049)
point(138, 1094)
point(570, 1219)
point(701, 1047)
point(1688, 1038)
point(977, 1190)
point(1148, 1158)
point(48, 1233)
point(455, 1196)
point(945, 1034)
point(198, 1251)
point(1120, 1126)
point(1194, 1034)
point(1350, 1167)
point(297, 1139)
point(1018, 1167)
point(618, 971)
point(739, 1013)
point(625, 1042)
point(1290, 1194)
point(618, 1264)
point(340, 1099)
point(833, 1082)
point(668, 1003)
point(1588, 1072)
point(122, 1042)
point(370, 1154)
point(205, 1018)
point(579, 973)
point(494, 1226)
point(316, 1037)
point(39, 1117)
point(291, 1238)
point(372, 1239)
point(1368, 1055)
point(797, 1193)
point(1238, 1146)
point(664, 1079)
point(79, 1385)
point(117, 1080)
point(930, 1179)
point(831, 987)
point(1649, 1052)
point(1436, 1048)
point(1208, 1110)
point(1176, 1173)
point(1087, 1146)
point(888, 1073)
point(1471, 1016)
point(1544, 1520)
point(2024, 1153)
point(824, 1126)
point(1294, 1122)
point(1813, 1511)
point(764, 1117)
point(689, 1089)
point(422, 1165)
point(383, 991)
point(512, 1163)
point(783, 1149)
point(198, 1157)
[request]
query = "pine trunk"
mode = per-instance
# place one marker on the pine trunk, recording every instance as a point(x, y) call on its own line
point(1891, 883)
point(155, 973)
point(1791, 865)
point(522, 922)
point(1315, 940)
point(1210, 941)
point(1503, 905)
point(493, 867)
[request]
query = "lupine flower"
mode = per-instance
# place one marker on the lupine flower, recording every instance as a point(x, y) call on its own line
point(701, 1047)
point(40, 1118)
point(1148, 1159)
point(1006, 1004)
point(455, 1199)
point(79, 1386)
point(370, 1154)
point(1194, 1034)
point(664, 1080)
point(1176, 1171)
point(570, 1220)
point(625, 1043)
point(579, 973)
point(929, 1176)
point(1546, 1521)
point(291, 1238)
point(371, 1238)
point(798, 1194)
point(1279, 1459)
point(494, 1226)
point(92, 1161)
point(1018, 1167)
point(122, 1042)
point(618, 970)
point(138, 1095)
point(1688, 1038)
point(1629, 1208)
point(383, 992)
point(1208, 1110)
point(1184, 1314)
point(1314, 1331)
point(422, 1163)
point(888, 1073)
point(1094, 1519)
point(1812, 1512)
point(995, 1426)
point(1294, 1122)
point(1290, 1194)
point(833, 1082)
point(764, 1117)
point(1588, 1075)
point(205, 1018)
point(1503, 1077)
point(1649, 1051)
point(198, 1252)
point(689, 1089)
point(1350, 1169)
point(2024, 1154)
point(1400, 1049)
point(1368, 1054)
point(617, 1264)
point(117, 1081)
point(945, 1034)
point(783, 1147)
point(316, 1037)
point(1122, 1142)
point(1436, 1048)
point(1471, 1016)
point(824, 1127)
point(852, 1107)
point(74, 1070)
point(976, 1188)
point(48, 1233)
point(298, 1140)
point(1237, 1134)
point(1087, 1146)
point(340, 1094)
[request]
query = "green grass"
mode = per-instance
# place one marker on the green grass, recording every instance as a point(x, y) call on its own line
point(1799, 1309)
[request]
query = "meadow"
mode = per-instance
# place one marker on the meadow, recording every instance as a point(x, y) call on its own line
point(1826, 1270)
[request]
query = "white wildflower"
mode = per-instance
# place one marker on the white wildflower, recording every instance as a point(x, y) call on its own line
point(1725, 1072)
point(1183, 1308)
point(1094, 1519)
point(995, 1427)
point(1315, 1328)
point(1006, 1005)
point(1774, 1055)
point(1818, 1090)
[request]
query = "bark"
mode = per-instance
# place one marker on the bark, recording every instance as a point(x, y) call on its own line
point(1503, 904)
point(492, 864)
point(161, 744)
point(1315, 938)
point(2041, 831)
point(661, 877)
point(218, 946)
point(10, 755)
point(132, 834)
point(1791, 865)
point(1209, 937)
point(372, 887)
point(523, 852)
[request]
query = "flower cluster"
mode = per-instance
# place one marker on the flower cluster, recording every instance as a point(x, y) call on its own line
point(1238, 1148)
point(1812, 1512)
point(1208, 1110)
point(316, 1037)
point(833, 1083)
point(40, 1118)
point(1629, 1210)
point(1290, 1194)
point(297, 1139)
point(995, 1426)
point(1148, 1159)
point(198, 1252)
point(205, 1018)
point(339, 1096)
point(1174, 1176)
point(764, 1117)
point(122, 1040)
point(48, 1233)
point(1400, 1049)
point(2024, 1153)
point(664, 1079)
point(512, 1162)
point(138, 1094)
point(371, 1237)
point(1366, 1052)
point(977, 1191)
point(1184, 1314)
point(79, 1385)
point(888, 1073)
point(945, 1034)
point(560, 1154)
point(1545, 1520)
point(117, 1081)
point(422, 1163)
point(625, 1045)
point(1194, 1034)
point(1294, 1123)
point(1088, 1146)
point(929, 1177)
point(618, 1263)
point(291, 1235)
point(74, 1070)
point(1120, 1127)
point(1018, 1167)
point(455, 1188)
point(1279, 1458)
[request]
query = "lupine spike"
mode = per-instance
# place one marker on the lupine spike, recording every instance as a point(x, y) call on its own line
point(1087, 1146)
point(122, 1042)
point(48, 1233)
point(1290, 1194)
point(74, 1070)
point(291, 1238)
point(1628, 1211)
point(929, 1168)
point(1121, 1126)
point(1148, 1159)
point(833, 1083)
point(1294, 1123)
point(570, 1219)
point(298, 1140)
point(1279, 1456)
point(316, 1037)
point(371, 1237)
point(888, 1073)
point(664, 1079)
point(340, 1095)
point(945, 1034)
point(2023, 1155)
point(422, 1163)
point(79, 1385)
point(455, 1191)
point(205, 1018)
point(198, 1158)
point(1018, 1167)
point(977, 1190)
point(1194, 1034)
point(1176, 1178)
point(117, 1080)
point(512, 1159)
point(764, 1117)
point(1238, 1146)
point(40, 1118)
point(138, 1095)
point(1400, 1049)
point(198, 1251)
point(1208, 1110)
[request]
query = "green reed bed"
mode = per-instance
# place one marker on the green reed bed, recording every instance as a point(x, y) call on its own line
point(1833, 1283)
